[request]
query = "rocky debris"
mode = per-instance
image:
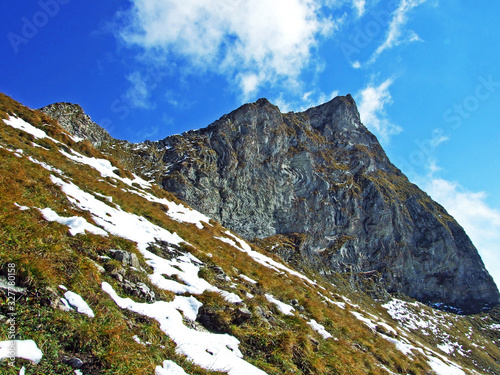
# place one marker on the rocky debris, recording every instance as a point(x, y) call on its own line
point(218, 319)
point(297, 306)
point(219, 273)
point(265, 316)
point(314, 342)
point(139, 290)
point(128, 259)
point(74, 362)
point(73, 119)
point(241, 315)
point(211, 318)
point(118, 274)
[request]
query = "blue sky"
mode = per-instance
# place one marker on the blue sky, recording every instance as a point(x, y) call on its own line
point(425, 75)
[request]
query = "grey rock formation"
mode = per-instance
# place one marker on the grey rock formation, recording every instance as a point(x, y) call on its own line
point(316, 187)
point(320, 181)
point(125, 257)
point(241, 315)
point(73, 119)
point(76, 363)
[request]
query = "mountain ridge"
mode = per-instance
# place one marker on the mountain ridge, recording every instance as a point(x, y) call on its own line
point(321, 182)
point(112, 274)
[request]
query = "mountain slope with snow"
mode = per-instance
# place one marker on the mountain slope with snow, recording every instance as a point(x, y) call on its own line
point(103, 272)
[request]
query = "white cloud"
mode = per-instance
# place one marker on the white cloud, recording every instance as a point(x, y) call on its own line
point(470, 209)
point(255, 41)
point(307, 100)
point(138, 94)
point(250, 83)
point(395, 34)
point(359, 5)
point(371, 105)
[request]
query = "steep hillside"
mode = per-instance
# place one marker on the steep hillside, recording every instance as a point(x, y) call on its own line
point(102, 272)
point(317, 189)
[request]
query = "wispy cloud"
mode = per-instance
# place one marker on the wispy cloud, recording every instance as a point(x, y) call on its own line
point(307, 100)
point(251, 42)
point(372, 101)
point(138, 95)
point(477, 217)
point(359, 5)
point(396, 33)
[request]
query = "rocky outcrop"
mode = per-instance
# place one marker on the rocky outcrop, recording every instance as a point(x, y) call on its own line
point(320, 182)
point(316, 187)
point(73, 119)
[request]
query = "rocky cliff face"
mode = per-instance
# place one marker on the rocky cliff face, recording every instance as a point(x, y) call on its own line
point(72, 118)
point(317, 187)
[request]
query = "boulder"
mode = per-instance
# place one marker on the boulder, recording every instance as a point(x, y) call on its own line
point(125, 257)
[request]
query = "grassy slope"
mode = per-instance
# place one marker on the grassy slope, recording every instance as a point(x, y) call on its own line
point(47, 256)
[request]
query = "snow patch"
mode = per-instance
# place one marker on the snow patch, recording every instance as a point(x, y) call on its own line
point(176, 211)
point(75, 138)
point(138, 229)
point(184, 268)
point(212, 351)
point(21, 208)
point(78, 303)
point(76, 224)
point(246, 278)
point(109, 199)
point(46, 166)
point(338, 304)
point(26, 349)
point(115, 220)
point(260, 258)
point(104, 167)
point(402, 345)
point(170, 368)
point(20, 124)
point(139, 341)
point(320, 329)
point(283, 307)
point(38, 146)
point(442, 368)
point(65, 307)
point(495, 327)
point(368, 322)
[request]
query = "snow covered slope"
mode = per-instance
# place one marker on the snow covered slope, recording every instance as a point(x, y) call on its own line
point(102, 272)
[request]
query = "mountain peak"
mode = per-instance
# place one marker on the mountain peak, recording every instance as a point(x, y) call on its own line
point(89, 247)
point(319, 180)
point(73, 118)
point(320, 176)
